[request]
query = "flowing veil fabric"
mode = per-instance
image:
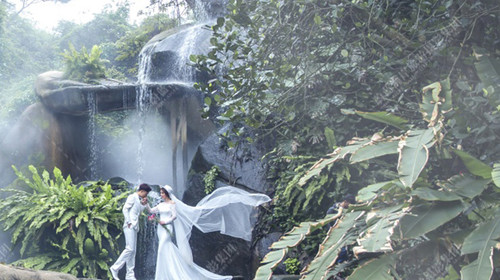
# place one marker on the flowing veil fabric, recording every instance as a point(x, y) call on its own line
point(227, 210)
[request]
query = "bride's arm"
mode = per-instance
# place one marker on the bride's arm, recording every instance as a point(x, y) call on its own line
point(171, 218)
point(152, 210)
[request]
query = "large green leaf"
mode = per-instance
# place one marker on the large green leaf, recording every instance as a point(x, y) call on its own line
point(466, 186)
point(291, 239)
point(428, 217)
point(414, 154)
point(270, 261)
point(340, 228)
point(342, 234)
point(377, 269)
point(482, 240)
point(377, 237)
point(435, 195)
point(370, 191)
point(375, 149)
point(446, 99)
point(337, 155)
point(488, 70)
point(474, 165)
point(474, 270)
point(385, 117)
point(495, 174)
point(330, 137)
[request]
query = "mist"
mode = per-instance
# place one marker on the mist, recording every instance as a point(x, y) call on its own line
point(144, 153)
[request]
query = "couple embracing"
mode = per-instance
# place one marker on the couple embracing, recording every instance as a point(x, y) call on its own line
point(227, 210)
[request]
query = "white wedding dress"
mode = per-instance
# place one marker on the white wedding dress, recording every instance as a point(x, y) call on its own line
point(227, 210)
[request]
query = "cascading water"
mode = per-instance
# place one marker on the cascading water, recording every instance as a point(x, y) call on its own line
point(148, 244)
point(143, 102)
point(176, 71)
point(176, 137)
point(185, 72)
point(93, 148)
point(172, 69)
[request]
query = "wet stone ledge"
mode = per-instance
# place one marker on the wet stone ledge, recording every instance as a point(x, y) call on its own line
point(8, 272)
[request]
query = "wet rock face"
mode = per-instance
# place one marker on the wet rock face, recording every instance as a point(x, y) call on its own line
point(9, 273)
point(72, 98)
point(35, 137)
point(222, 254)
point(52, 80)
point(167, 54)
point(242, 168)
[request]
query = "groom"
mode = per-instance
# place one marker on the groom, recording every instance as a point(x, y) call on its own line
point(132, 210)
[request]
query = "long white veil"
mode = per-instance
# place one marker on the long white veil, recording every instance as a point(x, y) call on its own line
point(227, 210)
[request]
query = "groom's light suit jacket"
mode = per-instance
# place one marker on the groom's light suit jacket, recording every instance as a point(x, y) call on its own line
point(132, 211)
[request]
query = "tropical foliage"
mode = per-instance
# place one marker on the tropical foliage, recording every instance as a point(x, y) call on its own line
point(62, 226)
point(312, 75)
point(25, 52)
point(209, 179)
point(84, 66)
point(292, 265)
point(334, 88)
point(28, 51)
point(129, 46)
point(396, 217)
point(105, 28)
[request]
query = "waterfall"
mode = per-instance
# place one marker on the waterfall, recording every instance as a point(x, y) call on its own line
point(148, 244)
point(173, 69)
point(165, 64)
point(91, 126)
point(143, 103)
point(185, 72)
point(145, 64)
point(200, 10)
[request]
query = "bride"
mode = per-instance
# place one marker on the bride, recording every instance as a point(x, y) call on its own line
point(227, 210)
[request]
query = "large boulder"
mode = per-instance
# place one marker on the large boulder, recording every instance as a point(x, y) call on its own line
point(76, 98)
point(241, 167)
point(36, 138)
point(166, 56)
point(52, 80)
point(17, 273)
point(45, 139)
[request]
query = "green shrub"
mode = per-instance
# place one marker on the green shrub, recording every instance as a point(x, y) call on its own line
point(62, 226)
point(209, 179)
point(84, 66)
point(292, 265)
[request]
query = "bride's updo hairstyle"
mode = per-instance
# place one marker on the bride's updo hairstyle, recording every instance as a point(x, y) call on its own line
point(166, 190)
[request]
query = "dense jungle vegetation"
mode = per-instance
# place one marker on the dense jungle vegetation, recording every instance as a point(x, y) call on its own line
point(396, 102)
point(27, 51)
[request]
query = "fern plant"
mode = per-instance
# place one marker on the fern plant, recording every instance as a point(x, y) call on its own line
point(209, 179)
point(84, 66)
point(396, 218)
point(62, 226)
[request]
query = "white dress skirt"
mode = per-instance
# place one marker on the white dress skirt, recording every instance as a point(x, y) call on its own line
point(170, 264)
point(226, 210)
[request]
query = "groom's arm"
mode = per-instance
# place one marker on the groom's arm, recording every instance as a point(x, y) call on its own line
point(149, 209)
point(126, 209)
